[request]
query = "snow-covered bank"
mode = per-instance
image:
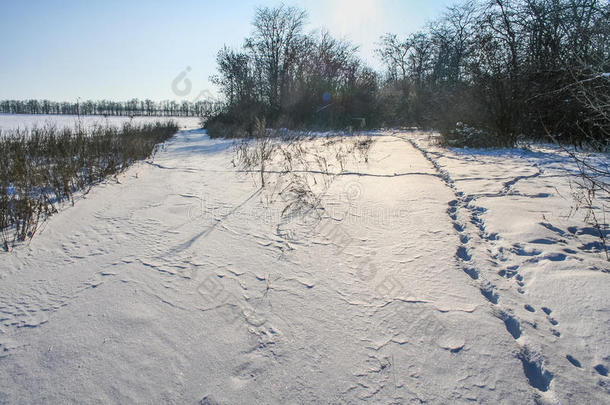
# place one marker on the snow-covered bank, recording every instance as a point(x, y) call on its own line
point(434, 276)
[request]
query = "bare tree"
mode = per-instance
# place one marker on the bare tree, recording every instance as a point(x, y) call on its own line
point(276, 40)
point(395, 54)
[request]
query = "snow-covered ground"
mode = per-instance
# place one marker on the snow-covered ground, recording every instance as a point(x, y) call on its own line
point(435, 276)
point(23, 121)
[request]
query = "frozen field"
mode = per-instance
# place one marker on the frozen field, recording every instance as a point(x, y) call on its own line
point(434, 276)
point(15, 121)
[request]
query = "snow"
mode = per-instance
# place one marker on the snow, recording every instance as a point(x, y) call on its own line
point(23, 121)
point(428, 279)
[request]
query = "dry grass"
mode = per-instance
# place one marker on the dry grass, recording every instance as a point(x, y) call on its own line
point(297, 167)
point(43, 167)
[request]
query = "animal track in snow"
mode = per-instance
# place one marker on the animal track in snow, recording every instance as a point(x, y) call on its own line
point(574, 361)
point(601, 370)
point(533, 365)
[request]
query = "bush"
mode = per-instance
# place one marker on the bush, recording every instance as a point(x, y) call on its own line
point(465, 136)
point(218, 129)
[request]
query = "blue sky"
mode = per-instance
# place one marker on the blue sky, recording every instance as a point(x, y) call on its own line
point(61, 50)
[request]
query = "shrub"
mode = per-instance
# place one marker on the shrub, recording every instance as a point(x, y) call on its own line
point(466, 136)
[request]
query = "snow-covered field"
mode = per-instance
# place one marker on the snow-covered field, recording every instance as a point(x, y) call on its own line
point(435, 276)
point(23, 121)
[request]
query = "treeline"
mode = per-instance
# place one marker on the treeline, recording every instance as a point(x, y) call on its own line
point(291, 79)
point(132, 107)
point(504, 69)
point(486, 72)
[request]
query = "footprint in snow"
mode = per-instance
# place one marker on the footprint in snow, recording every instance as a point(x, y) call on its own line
point(574, 361)
point(602, 370)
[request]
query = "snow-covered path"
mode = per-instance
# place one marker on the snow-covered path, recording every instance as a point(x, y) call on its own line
point(181, 284)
